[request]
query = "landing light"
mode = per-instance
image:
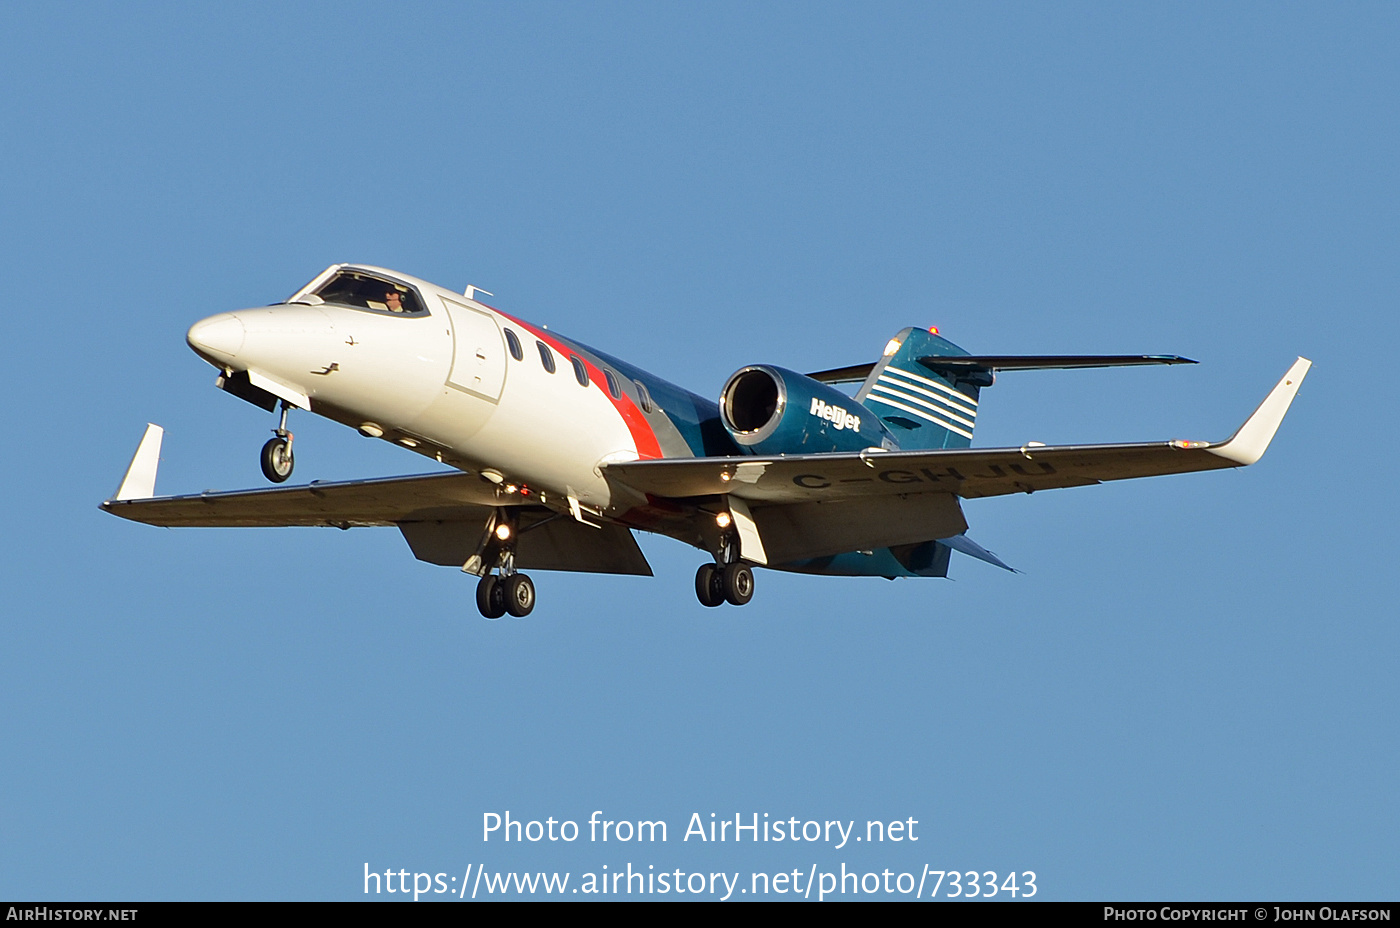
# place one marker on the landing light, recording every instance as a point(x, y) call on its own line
point(503, 531)
point(891, 346)
point(723, 519)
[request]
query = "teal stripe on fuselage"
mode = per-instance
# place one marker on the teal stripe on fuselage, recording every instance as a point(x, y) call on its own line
point(695, 418)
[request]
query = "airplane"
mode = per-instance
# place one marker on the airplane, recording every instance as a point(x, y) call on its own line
point(559, 452)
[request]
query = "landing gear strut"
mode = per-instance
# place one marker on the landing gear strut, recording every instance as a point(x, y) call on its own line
point(277, 459)
point(730, 580)
point(505, 591)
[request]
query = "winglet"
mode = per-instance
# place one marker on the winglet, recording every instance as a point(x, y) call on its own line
point(1249, 443)
point(140, 479)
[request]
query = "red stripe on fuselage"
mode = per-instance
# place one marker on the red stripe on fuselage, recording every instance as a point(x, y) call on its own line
point(642, 435)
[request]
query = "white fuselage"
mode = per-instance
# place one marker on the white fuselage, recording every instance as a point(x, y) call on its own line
point(443, 382)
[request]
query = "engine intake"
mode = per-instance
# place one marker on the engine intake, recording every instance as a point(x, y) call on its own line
point(769, 410)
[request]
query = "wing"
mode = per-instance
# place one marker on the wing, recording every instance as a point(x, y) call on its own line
point(343, 504)
point(442, 516)
point(966, 472)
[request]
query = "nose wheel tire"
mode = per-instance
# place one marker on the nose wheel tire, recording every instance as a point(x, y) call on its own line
point(491, 597)
point(737, 581)
point(277, 459)
point(709, 585)
point(519, 594)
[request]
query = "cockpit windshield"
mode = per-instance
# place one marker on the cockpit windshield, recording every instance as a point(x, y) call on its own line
point(366, 291)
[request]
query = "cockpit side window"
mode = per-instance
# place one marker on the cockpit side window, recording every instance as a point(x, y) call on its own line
point(365, 291)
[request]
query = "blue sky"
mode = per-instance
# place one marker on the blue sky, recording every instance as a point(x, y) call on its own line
point(1188, 693)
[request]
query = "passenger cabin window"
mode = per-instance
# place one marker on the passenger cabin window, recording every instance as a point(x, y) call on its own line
point(613, 388)
point(546, 356)
point(514, 344)
point(580, 372)
point(647, 405)
point(365, 291)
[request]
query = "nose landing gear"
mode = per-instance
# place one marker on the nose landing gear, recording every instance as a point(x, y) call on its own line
point(276, 459)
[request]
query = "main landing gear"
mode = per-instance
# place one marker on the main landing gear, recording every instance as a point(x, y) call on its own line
point(505, 591)
point(721, 583)
point(729, 581)
point(497, 595)
point(276, 458)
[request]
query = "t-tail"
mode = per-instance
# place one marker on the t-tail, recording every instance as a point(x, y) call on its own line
point(924, 404)
point(925, 389)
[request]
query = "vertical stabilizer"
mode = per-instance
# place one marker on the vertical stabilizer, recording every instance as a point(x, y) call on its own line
point(923, 408)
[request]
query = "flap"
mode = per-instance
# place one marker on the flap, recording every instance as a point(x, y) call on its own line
point(795, 532)
point(546, 542)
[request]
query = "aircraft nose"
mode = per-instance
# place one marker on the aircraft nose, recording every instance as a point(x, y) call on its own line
point(217, 339)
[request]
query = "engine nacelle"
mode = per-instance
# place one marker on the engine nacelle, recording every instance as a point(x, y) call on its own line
point(769, 410)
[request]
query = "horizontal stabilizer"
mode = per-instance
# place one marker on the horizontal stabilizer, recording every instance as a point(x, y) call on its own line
point(1045, 362)
point(856, 373)
point(953, 364)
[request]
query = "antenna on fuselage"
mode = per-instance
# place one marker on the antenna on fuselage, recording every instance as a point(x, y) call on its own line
point(471, 292)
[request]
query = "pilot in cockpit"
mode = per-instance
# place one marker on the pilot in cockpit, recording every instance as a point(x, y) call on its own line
point(394, 300)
